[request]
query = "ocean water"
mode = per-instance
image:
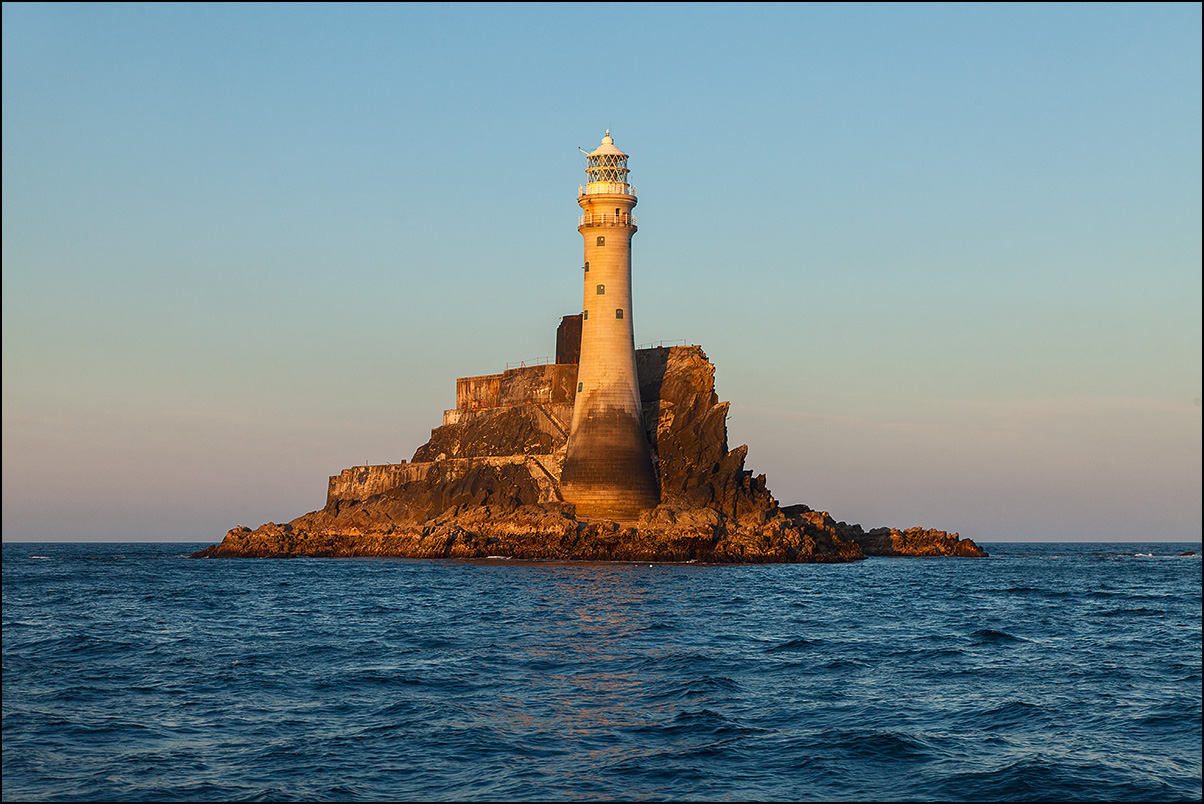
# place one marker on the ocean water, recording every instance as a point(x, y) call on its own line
point(1045, 672)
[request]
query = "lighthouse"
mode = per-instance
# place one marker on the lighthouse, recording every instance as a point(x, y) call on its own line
point(607, 467)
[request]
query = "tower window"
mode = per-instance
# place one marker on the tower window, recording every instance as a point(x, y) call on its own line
point(580, 387)
point(619, 313)
point(601, 290)
point(616, 212)
point(587, 267)
point(585, 315)
point(601, 241)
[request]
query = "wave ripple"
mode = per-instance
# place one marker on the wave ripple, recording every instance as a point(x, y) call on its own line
point(1044, 672)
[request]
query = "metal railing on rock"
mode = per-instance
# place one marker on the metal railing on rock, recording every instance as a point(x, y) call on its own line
point(539, 361)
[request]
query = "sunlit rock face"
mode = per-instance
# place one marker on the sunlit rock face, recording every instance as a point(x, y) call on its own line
point(487, 484)
point(915, 542)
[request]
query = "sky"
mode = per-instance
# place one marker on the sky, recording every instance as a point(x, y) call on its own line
point(946, 259)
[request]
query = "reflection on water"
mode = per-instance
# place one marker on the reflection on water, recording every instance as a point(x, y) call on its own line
point(586, 621)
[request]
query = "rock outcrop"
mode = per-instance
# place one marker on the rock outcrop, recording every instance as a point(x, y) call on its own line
point(537, 533)
point(487, 485)
point(916, 542)
point(891, 542)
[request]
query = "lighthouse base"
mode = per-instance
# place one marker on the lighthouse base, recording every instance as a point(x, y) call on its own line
point(608, 467)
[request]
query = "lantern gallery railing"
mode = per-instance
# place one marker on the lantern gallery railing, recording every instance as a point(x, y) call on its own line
point(611, 187)
point(606, 219)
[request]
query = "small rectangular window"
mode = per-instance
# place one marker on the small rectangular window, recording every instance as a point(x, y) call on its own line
point(601, 290)
point(601, 241)
point(580, 386)
point(619, 312)
point(587, 267)
point(585, 315)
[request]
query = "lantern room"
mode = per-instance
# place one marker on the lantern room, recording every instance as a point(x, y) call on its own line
point(606, 168)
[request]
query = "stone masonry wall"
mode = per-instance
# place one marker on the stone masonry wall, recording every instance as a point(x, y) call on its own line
point(549, 384)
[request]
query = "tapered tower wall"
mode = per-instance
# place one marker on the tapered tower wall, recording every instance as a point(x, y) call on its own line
point(608, 466)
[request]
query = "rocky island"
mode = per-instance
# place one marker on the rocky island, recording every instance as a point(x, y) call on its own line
point(609, 454)
point(487, 484)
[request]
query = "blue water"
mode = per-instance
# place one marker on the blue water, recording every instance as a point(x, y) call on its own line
point(1067, 671)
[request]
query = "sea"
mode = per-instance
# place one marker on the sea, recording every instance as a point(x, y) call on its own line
point(1044, 672)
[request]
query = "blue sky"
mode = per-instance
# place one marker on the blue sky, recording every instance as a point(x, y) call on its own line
point(946, 259)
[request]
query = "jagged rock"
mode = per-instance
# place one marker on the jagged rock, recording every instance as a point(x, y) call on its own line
point(916, 542)
point(687, 429)
point(504, 431)
point(537, 533)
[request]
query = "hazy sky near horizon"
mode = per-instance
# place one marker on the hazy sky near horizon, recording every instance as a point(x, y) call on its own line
point(945, 258)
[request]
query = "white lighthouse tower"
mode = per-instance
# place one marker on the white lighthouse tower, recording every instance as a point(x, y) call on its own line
point(608, 466)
